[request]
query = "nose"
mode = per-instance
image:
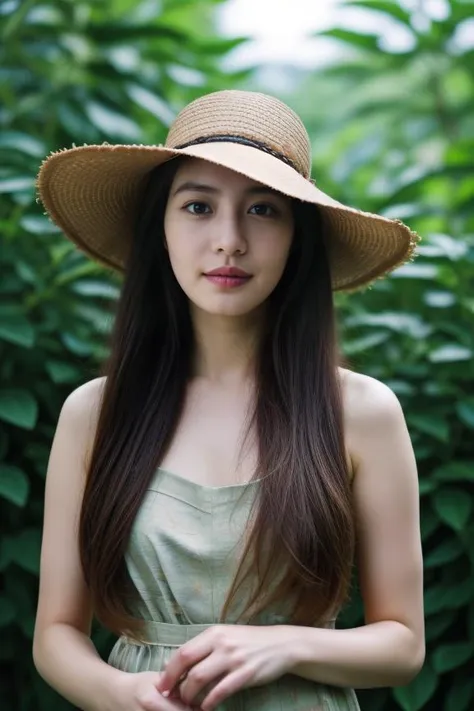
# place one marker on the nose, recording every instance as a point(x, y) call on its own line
point(229, 237)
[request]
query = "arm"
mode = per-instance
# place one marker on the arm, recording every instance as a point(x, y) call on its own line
point(389, 650)
point(63, 653)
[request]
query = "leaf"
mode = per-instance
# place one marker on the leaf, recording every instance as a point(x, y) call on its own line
point(156, 105)
point(78, 346)
point(12, 185)
point(61, 372)
point(25, 549)
point(450, 353)
point(433, 425)
point(446, 552)
point(465, 410)
point(397, 321)
point(450, 656)
point(23, 142)
point(366, 42)
point(455, 471)
point(453, 507)
point(38, 225)
point(17, 330)
point(364, 343)
point(111, 122)
point(416, 271)
point(439, 299)
point(446, 246)
point(18, 407)
point(96, 288)
point(14, 484)
point(426, 486)
point(414, 696)
point(460, 696)
point(118, 33)
point(388, 7)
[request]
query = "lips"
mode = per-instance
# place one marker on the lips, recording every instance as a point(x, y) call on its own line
point(228, 277)
point(229, 272)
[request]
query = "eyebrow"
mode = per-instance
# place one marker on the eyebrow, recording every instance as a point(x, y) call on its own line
point(202, 188)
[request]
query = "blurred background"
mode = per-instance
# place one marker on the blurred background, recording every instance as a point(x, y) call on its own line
point(386, 90)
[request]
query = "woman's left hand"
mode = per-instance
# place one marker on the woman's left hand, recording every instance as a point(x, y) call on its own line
point(228, 658)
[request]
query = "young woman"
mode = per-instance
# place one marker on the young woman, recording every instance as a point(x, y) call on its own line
point(208, 494)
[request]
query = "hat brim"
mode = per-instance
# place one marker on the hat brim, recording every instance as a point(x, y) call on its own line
point(91, 193)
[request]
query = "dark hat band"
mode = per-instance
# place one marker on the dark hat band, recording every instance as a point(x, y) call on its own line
point(244, 141)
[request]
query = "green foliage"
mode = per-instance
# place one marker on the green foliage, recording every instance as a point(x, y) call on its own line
point(393, 134)
point(70, 72)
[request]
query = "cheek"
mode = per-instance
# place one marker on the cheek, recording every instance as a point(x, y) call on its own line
point(182, 249)
point(274, 251)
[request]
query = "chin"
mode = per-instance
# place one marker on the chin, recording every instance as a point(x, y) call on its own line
point(233, 307)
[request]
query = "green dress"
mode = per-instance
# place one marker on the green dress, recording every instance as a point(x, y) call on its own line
point(181, 557)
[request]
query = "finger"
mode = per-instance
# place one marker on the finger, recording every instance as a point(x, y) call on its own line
point(152, 700)
point(229, 685)
point(155, 702)
point(182, 661)
point(206, 673)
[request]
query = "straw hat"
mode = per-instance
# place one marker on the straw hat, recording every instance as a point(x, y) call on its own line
point(92, 192)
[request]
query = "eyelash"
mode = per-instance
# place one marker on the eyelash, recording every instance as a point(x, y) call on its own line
point(274, 211)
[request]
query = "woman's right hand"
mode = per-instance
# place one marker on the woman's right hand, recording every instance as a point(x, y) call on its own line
point(138, 692)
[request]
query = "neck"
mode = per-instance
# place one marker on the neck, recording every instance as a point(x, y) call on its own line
point(226, 346)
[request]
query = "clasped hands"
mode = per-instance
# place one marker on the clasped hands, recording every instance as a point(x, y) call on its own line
point(225, 659)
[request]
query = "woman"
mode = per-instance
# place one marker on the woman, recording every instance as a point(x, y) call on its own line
point(206, 495)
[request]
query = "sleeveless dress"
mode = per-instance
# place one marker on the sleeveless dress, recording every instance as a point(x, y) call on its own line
point(181, 557)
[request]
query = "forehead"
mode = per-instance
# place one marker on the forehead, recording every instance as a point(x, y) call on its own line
point(202, 171)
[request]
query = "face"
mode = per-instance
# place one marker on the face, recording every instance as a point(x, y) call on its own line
point(218, 221)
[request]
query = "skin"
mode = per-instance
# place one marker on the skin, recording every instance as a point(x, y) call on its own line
point(235, 228)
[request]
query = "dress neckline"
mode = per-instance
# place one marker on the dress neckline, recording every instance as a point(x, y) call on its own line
point(206, 487)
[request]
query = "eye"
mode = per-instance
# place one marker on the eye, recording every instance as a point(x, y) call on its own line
point(199, 208)
point(264, 210)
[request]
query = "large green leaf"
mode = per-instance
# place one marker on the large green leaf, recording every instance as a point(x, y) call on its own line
point(18, 407)
point(24, 549)
point(14, 484)
point(23, 142)
point(433, 425)
point(453, 506)
point(17, 329)
point(62, 372)
point(451, 656)
point(446, 552)
point(455, 471)
point(112, 122)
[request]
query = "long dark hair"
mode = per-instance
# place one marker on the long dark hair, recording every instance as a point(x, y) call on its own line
point(304, 516)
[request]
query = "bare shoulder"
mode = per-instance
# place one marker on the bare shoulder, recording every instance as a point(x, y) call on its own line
point(365, 398)
point(85, 400)
point(81, 408)
point(372, 412)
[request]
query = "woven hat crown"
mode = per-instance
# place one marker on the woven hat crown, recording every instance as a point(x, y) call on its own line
point(250, 115)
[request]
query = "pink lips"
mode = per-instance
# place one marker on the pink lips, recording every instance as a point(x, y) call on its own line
point(228, 276)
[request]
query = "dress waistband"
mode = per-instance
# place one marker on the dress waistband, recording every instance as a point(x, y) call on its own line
point(174, 635)
point(167, 633)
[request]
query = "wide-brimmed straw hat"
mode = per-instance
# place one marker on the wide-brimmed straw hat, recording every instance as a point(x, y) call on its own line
point(92, 192)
